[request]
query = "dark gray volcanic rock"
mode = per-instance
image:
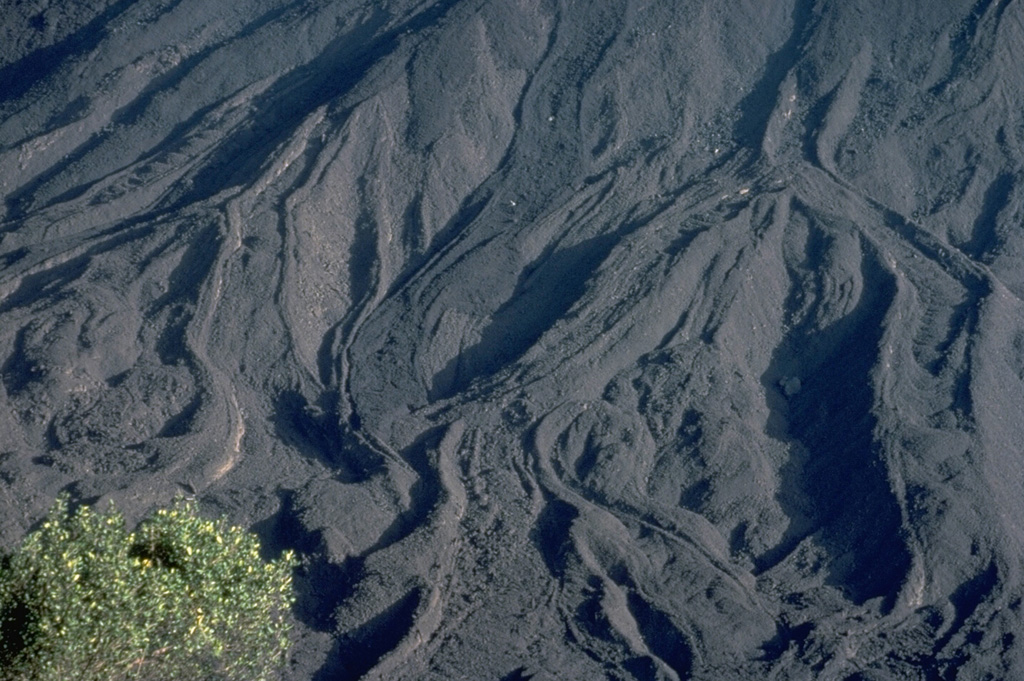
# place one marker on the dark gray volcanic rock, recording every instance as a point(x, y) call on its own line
point(566, 340)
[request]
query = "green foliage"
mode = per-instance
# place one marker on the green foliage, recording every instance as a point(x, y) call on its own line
point(182, 597)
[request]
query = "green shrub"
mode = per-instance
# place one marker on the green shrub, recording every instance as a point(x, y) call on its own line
point(182, 597)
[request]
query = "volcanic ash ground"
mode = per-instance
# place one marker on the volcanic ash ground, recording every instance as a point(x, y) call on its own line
point(563, 340)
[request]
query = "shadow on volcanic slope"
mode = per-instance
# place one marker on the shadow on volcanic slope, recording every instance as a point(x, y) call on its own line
point(20, 76)
point(357, 652)
point(836, 486)
point(545, 292)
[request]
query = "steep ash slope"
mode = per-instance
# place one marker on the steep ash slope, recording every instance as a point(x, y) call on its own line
point(624, 340)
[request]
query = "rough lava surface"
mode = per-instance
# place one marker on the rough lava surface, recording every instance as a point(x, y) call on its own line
point(563, 339)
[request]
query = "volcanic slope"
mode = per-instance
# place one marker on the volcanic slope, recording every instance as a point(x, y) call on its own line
point(565, 340)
